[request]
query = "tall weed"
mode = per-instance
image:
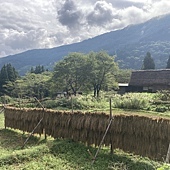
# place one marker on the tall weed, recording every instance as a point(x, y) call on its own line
point(131, 101)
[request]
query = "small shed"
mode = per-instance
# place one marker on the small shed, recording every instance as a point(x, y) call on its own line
point(149, 80)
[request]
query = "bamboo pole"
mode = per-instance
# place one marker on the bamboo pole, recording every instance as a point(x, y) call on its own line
point(31, 133)
point(168, 155)
point(2, 110)
point(36, 125)
point(45, 135)
point(111, 117)
point(102, 140)
point(39, 102)
point(72, 104)
point(110, 122)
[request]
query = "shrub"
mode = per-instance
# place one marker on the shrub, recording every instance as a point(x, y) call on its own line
point(131, 101)
point(50, 104)
point(6, 99)
point(163, 95)
point(164, 167)
point(161, 109)
point(78, 102)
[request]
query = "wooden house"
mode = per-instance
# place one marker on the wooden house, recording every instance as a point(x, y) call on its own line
point(149, 80)
point(123, 88)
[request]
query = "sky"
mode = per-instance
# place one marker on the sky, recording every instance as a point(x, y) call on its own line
point(34, 24)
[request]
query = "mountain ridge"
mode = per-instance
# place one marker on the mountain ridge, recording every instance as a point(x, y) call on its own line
point(129, 44)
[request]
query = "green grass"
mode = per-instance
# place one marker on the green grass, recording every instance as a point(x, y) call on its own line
point(59, 154)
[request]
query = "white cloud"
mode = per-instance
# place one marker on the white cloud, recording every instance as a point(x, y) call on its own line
point(26, 24)
point(160, 7)
point(102, 13)
point(132, 15)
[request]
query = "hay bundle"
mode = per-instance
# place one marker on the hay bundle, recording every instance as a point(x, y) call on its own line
point(141, 135)
point(80, 117)
point(99, 122)
point(87, 121)
point(22, 119)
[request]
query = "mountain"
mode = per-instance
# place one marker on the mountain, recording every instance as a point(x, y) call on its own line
point(130, 45)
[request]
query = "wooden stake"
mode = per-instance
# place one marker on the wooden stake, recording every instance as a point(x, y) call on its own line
point(45, 135)
point(36, 125)
point(102, 141)
point(110, 122)
point(111, 108)
point(31, 133)
point(168, 155)
point(72, 104)
point(111, 117)
point(90, 154)
point(2, 110)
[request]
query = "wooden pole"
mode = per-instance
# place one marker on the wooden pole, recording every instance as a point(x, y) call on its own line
point(111, 118)
point(2, 110)
point(90, 154)
point(102, 141)
point(31, 133)
point(72, 104)
point(168, 155)
point(45, 135)
point(19, 101)
point(36, 125)
point(39, 102)
point(110, 122)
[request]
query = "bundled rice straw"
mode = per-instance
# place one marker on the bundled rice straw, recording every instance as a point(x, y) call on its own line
point(137, 134)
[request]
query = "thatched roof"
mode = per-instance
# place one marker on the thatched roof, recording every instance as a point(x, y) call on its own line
point(150, 77)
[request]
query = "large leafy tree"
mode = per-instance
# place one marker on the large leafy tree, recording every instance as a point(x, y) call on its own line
point(30, 85)
point(78, 72)
point(123, 75)
point(70, 73)
point(102, 69)
point(148, 62)
point(34, 85)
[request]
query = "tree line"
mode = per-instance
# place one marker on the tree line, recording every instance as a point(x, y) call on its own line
point(77, 72)
point(88, 73)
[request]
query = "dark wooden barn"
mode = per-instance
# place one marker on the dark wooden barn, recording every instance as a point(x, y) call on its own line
point(149, 80)
point(123, 88)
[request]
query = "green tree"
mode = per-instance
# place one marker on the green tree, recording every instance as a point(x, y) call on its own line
point(7, 74)
point(33, 85)
point(38, 69)
point(148, 62)
point(101, 70)
point(168, 63)
point(81, 72)
point(12, 73)
point(123, 76)
point(3, 75)
point(70, 73)
point(32, 70)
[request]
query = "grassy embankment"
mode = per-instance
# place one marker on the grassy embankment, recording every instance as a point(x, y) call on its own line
point(62, 155)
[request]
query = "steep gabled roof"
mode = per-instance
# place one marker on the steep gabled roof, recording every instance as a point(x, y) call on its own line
point(150, 77)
